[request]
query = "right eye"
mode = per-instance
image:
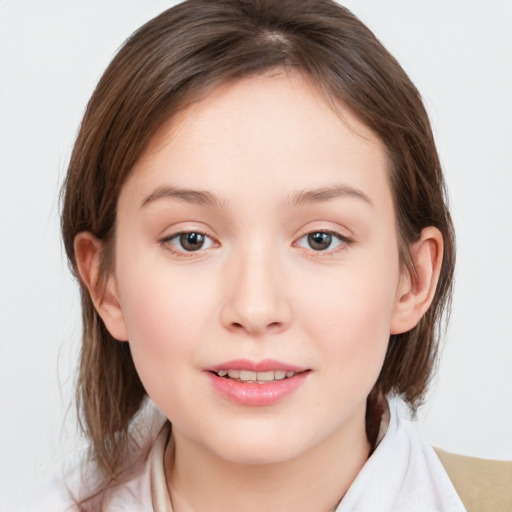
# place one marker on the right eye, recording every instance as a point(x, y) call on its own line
point(323, 241)
point(185, 242)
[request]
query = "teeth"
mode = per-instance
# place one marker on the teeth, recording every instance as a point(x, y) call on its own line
point(260, 377)
point(234, 374)
point(265, 376)
point(247, 375)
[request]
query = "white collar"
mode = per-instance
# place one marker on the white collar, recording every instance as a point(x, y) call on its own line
point(159, 492)
point(403, 474)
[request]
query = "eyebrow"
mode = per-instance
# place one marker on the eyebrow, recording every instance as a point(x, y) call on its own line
point(299, 198)
point(318, 195)
point(199, 197)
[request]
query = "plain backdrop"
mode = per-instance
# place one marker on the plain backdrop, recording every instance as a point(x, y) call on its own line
point(458, 53)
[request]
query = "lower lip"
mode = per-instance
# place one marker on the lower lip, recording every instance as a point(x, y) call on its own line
point(253, 394)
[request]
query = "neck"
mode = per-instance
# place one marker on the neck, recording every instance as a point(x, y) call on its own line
point(314, 481)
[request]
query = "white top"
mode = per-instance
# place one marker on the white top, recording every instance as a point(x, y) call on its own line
point(402, 475)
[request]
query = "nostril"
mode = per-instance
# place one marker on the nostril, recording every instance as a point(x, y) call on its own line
point(256, 329)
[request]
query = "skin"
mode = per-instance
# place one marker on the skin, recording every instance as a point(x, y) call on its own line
point(257, 289)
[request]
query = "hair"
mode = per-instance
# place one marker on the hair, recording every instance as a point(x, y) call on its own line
point(177, 58)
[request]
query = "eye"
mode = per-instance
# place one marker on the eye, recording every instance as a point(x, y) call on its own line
point(322, 241)
point(188, 242)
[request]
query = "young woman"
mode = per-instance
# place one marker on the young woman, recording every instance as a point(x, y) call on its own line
point(255, 210)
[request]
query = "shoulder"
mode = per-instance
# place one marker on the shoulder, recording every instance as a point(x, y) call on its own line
point(66, 489)
point(79, 486)
point(76, 478)
point(482, 484)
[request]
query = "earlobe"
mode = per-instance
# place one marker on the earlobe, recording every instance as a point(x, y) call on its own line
point(102, 290)
point(416, 292)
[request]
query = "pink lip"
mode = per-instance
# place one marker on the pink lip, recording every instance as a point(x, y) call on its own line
point(253, 394)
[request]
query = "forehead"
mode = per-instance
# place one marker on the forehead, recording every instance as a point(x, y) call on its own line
point(276, 130)
point(278, 97)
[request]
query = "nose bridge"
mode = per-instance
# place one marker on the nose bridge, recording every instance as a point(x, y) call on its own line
point(256, 300)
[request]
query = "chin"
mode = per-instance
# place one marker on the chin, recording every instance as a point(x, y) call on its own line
point(255, 444)
point(255, 453)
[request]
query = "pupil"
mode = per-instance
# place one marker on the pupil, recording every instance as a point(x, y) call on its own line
point(191, 241)
point(319, 241)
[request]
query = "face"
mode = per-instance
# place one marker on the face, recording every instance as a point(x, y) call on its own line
point(257, 269)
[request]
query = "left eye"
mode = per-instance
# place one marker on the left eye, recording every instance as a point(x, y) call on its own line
point(189, 242)
point(321, 240)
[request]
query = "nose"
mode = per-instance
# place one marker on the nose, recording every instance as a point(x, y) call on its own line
point(256, 295)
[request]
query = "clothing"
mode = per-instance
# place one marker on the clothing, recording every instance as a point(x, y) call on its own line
point(402, 474)
point(483, 485)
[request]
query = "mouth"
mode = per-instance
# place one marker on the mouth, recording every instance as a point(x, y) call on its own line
point(256, 377)
point(257, 383)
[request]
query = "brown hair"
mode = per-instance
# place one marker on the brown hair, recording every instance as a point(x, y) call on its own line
point(171, 61)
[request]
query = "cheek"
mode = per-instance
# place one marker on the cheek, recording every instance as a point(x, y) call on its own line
point(349, 315)
point(164, 313)
point(165, 327)
point(161, 301)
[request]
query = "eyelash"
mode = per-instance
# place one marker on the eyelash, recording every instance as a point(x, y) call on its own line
point(166, 241)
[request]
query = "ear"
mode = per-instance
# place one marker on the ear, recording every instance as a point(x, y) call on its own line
point(416, 292)
point(102, 289)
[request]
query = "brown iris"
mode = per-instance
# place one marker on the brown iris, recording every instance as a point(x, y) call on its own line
point(319, 241)
point(192, 241)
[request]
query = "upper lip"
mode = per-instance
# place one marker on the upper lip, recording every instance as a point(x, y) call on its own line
point(265, 365)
